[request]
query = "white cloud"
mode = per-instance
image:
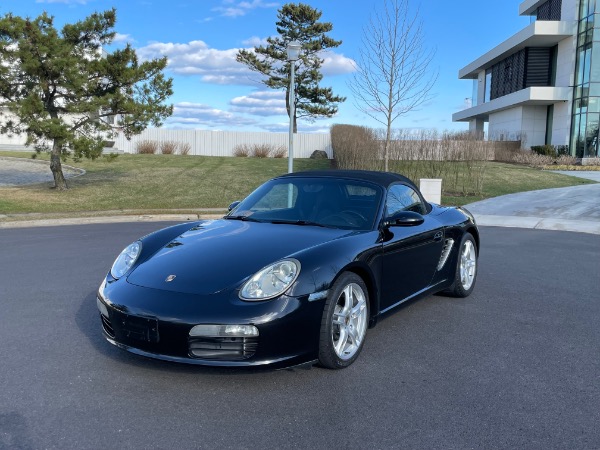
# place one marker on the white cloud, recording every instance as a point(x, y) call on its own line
point(120, 37)
point(260, 103)
point(197, 58)
point(220, 66)
point(194, 115)
point(239, 9)
point(255, 41)
point(336, 64)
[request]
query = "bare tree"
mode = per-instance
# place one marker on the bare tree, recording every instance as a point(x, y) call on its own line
point(392, 75)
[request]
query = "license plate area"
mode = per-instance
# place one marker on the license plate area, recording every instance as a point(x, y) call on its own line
point(140, 328)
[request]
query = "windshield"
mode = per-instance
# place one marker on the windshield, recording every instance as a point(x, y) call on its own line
point(327, 202)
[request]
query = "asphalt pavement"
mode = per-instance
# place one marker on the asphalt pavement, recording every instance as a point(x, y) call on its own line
point(574, 208)
point(513, 366)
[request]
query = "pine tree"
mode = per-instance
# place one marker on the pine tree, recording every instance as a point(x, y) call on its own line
point(61, 87)
point(297, 22)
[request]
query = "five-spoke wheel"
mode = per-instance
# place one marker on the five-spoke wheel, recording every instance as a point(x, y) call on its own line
point(345, 322)
point(466, 267)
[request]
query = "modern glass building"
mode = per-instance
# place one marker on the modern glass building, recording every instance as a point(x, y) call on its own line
point(542, 85)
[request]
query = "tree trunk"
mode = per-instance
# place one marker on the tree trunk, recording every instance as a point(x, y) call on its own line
point(386, 151)
point(56, 167)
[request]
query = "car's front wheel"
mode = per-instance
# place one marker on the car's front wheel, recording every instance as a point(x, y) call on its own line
point(344, 323)
point(466, 267)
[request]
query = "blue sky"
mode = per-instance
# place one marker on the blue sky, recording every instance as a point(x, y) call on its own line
point(214, 92)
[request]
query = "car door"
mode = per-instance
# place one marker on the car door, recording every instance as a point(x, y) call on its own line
point(410, 253)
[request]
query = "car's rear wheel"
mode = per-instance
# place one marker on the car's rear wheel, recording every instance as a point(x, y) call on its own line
point(466, 267)
point(344, 323)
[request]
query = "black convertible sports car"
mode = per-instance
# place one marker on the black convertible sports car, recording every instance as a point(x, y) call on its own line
point(293, 274)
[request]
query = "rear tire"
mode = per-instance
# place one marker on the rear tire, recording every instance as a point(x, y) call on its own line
point(466, 267)
point(344, 323)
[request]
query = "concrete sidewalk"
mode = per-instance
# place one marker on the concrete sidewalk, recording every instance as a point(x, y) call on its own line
point(575, 208)
point(20, 171)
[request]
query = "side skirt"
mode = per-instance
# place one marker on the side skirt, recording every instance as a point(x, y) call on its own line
point(440, 285)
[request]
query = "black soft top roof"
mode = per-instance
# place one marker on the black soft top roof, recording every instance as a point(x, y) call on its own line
point(382, 178)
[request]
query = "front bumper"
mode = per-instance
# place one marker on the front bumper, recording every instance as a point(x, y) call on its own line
point(156, 324)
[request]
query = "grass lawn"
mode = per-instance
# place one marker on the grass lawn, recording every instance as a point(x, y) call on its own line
point(174, 183)
point(149, 183)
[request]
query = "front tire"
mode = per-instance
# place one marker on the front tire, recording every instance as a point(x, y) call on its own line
point(466, 267)
point(344, 323)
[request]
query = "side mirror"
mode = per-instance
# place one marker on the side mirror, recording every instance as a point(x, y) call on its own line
point(233, 205)
point(404, 219)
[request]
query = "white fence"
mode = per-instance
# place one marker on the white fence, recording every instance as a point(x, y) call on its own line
point(209, 143)
point(223, 143)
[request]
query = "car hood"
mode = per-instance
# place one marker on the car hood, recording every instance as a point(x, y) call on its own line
point(217, 255)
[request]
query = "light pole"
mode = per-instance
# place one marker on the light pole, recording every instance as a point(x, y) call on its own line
point(293, 53)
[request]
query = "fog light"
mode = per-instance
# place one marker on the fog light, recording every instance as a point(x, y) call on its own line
point(102, 308)
point(224, 331)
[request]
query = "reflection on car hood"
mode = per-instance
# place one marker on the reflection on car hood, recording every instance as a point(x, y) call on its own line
point(216, 255)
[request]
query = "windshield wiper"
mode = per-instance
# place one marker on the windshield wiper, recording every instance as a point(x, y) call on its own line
point(243, 218)
point(299, 222)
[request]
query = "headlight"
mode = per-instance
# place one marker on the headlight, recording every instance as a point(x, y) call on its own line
point(271, 281)
point(126, 259)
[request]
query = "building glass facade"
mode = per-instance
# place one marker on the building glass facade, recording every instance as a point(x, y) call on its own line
point(586, 94)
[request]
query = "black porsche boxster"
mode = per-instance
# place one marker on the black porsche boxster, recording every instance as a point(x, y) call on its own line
point(296, 273)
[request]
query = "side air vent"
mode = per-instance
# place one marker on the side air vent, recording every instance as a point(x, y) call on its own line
point(448, 243)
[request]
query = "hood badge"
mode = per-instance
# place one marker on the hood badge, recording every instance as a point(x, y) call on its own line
point(170, 278)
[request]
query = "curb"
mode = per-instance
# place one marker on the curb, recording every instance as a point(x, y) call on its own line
point(112, 219)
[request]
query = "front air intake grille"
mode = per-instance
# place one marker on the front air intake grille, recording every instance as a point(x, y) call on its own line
point(107, 326)
point(448, 243)
point(223, 348)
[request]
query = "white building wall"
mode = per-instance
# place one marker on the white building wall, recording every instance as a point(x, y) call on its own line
point(569, 10)
point(506, 125)
point(534, 125)
point(565, 62)
point(527, 123)
point(561, 123)
point(565, 76)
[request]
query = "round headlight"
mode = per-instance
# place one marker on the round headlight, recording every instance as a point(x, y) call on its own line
point(271, 281)
point(126, 260)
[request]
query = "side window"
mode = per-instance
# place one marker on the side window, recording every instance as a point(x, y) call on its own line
point(403, 198)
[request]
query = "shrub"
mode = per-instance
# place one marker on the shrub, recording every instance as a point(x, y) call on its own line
point(261, 150)
point(355, 147)
point(241, 151)
point(168, 147)
point(459, 159)
point(185, 148)
point(146, 147)
point(279, 152)
point(545, 150)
